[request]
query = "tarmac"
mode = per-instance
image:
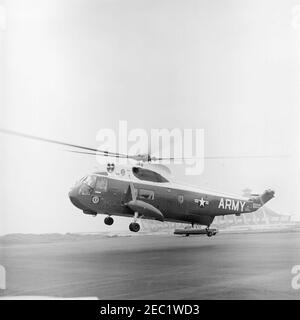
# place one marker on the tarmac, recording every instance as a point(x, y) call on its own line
point(227, 266)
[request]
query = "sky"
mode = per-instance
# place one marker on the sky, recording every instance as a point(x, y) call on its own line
point(69, 68)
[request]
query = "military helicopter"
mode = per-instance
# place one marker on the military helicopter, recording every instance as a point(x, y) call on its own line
point(147, 191)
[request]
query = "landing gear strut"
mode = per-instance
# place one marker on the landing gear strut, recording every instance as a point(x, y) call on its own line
point(109, 221)
point(134, 226)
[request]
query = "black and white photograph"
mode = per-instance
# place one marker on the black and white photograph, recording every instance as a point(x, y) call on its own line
point(149, 150)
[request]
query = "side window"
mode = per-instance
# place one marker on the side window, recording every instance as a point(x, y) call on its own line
point(180, 199)
point(90, 181)
point(101, 184)
point(146, 194)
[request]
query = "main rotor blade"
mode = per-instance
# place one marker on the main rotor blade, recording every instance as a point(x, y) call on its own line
point(268, 156)
point(100, 154)
point(191, 158)
point(225, 157)
point(27, 136)
point(144, 158)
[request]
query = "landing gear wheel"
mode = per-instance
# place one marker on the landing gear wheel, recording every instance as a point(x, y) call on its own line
point(109, 221)
point(210, 233)
point(134, 227)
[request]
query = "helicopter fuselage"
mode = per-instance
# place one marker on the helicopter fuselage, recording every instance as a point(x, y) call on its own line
point(164, 201)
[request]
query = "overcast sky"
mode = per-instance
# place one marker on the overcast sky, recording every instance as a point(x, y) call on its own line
point(71, 67)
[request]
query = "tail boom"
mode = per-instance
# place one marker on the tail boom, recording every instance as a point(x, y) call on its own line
point(259, 201)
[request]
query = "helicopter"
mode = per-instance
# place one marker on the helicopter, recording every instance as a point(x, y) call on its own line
point(146, 190)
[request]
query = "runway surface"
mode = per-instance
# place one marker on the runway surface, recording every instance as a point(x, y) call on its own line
point(228, 266)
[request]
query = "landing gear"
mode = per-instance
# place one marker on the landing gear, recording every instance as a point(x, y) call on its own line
point(134, 227)
point(109, 221)
point(209, 233)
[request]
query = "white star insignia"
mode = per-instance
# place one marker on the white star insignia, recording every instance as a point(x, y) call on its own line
point(201, 202)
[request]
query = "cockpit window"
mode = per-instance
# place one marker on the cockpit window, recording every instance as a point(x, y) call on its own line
point(90, 181)
point(101, 184)
point(87, 185)
point(79, 182)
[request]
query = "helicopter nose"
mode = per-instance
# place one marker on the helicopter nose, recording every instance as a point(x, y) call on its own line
point(73, 195)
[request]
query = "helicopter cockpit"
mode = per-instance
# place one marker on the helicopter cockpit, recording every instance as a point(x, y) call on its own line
point(92, 183)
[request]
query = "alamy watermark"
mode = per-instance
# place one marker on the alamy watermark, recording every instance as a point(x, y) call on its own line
point(178, 146)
